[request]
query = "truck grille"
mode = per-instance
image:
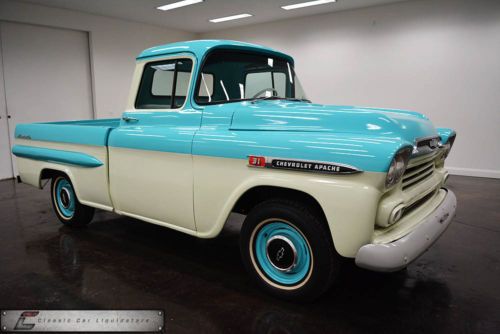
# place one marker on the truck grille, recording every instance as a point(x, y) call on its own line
point(418, 172)
point(415, 205)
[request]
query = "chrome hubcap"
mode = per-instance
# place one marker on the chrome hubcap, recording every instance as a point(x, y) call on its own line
point(281, 253)
point(65, 198)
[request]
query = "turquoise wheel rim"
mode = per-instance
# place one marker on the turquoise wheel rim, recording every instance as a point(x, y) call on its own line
point(65, 198)
point(267, 252)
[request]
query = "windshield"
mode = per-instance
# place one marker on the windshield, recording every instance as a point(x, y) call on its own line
point(230, 76)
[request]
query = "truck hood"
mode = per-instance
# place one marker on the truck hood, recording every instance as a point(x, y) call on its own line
point(282, 115)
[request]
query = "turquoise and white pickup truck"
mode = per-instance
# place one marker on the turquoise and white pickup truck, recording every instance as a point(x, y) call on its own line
point(214, 127)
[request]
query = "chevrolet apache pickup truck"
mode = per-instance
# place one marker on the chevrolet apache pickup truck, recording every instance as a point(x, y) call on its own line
point(214, 127)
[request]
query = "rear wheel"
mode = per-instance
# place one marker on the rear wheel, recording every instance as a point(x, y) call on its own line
point(66, 205)
point(287, 249)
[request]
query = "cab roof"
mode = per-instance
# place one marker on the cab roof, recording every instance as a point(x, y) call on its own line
point(201, 47)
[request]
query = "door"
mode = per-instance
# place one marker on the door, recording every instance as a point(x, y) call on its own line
point(46, 74)
point(150, 162)
point(5, 155)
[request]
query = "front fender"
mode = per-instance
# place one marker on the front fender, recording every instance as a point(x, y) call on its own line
point(348, 201)
point(445, 134)
point(365, 152)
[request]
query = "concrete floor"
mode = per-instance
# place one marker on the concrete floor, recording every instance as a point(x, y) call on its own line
point(123, 263)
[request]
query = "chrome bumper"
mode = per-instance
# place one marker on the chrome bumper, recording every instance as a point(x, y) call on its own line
point(398, 254)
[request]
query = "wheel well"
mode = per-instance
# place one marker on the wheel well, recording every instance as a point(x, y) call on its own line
point(48, 174)
point(259, 194)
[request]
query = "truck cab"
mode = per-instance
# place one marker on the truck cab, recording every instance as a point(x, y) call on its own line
point(214, 127)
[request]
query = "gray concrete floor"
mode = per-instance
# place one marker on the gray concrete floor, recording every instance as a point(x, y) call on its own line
point(122, 263)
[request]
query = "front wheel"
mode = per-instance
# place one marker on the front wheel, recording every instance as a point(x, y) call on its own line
point(287, 249)
point(66, 205)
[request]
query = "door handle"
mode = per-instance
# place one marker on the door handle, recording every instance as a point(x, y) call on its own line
point(130, 119)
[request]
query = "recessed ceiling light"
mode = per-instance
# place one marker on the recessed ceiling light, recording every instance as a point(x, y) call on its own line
point(229, 18)
point(307, 4)
point(179, 4)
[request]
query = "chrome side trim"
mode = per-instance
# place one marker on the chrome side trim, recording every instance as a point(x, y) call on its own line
point(57, 156)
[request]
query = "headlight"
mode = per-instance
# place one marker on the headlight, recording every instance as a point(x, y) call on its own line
point(397, 167)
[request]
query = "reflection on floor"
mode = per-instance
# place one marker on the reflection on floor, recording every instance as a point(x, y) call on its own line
point(123, 263)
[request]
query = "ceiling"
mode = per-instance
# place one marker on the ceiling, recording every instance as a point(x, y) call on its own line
point(195, 18)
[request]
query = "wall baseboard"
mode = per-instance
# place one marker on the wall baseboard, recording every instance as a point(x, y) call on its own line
point(7, 178)
point(491, 173)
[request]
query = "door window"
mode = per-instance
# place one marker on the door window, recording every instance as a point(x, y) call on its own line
point(164, 84)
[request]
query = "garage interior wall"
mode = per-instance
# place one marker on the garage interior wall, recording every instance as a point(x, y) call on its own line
point(112, 47)
point(30, 55)
point(437, 57)
point(114, 44)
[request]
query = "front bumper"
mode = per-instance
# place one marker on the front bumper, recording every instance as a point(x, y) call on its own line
point(398, 254)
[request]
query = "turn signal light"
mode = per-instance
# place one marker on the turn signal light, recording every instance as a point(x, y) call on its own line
point(256, 161)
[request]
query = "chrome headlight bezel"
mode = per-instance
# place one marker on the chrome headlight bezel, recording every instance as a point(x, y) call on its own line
point(446, 147)
point(446, 150)
point(398, 167)
point(449, 144)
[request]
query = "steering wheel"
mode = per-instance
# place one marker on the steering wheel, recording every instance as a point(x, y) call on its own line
point(260, 92)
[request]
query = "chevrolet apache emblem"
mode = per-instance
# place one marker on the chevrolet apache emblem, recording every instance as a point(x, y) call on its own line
point(312, 166)
point(301, 165)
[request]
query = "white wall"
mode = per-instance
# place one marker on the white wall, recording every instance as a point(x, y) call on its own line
point(438, 57)
point(114, 44)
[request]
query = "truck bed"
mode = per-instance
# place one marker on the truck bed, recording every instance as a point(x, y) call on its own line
point(86, 132)
point(75, 148)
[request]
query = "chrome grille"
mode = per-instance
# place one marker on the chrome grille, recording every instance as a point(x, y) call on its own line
point(418, 172)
